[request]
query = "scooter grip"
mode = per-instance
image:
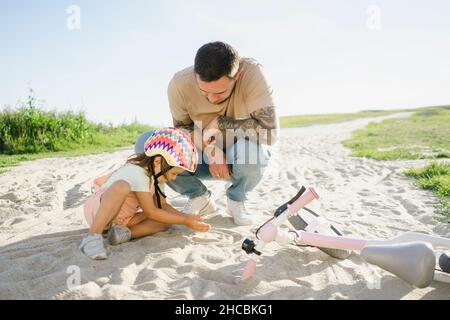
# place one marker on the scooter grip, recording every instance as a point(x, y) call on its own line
point(249, 270)
point(305, 198)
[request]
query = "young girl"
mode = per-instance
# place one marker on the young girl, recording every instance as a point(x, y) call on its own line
point(128, 201)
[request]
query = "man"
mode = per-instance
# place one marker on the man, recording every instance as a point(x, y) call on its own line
point(226, 104)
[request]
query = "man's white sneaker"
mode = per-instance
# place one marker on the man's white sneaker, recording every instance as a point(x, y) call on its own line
point(240, 215)
point(118, 234)
point(92, 246)
point(203, 204)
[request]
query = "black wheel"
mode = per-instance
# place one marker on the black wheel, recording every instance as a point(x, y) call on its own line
point(444, 263)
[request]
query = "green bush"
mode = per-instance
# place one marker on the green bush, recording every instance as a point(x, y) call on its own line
point(30, 133)
point(30, 129)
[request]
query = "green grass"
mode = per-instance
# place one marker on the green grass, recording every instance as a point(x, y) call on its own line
point(424, 135)
point(436, 177)
point(102, 142)
point(306, 120)
point(29, 133)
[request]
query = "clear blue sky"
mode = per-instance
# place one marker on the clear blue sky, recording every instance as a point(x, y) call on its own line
point(320, 56)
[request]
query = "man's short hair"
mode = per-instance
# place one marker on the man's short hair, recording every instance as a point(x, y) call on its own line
point(215, 60)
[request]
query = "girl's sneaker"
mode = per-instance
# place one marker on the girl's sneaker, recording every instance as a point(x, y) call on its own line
point(92, 246)
point(118, 234)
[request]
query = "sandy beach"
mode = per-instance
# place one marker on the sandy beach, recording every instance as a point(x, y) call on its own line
point(42, 223)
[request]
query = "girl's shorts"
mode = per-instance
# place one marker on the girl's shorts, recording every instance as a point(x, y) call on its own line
point(128, 210)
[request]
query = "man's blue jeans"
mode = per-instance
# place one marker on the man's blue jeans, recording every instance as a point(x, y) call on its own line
point(248, 161)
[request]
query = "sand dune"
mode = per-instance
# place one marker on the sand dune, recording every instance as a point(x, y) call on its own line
point(41, 225)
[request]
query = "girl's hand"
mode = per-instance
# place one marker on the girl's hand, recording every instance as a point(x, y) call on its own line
point(194, 221)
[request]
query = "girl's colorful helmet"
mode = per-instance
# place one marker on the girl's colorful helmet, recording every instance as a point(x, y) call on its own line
point(175, 146)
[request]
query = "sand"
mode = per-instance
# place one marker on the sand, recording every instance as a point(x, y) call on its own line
point(41, 225)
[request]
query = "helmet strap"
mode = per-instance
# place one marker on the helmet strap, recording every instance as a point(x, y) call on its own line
point(158, 191)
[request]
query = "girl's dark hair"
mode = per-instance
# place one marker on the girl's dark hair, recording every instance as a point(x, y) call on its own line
point(145, 162)
point(215, 60)
point(142, 160)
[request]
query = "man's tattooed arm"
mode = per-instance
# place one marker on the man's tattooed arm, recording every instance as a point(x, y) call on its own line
point(261, 128)
point(181, 125)
point(189, 129)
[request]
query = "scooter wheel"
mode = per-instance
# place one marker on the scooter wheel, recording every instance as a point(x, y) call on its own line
point(444, 263)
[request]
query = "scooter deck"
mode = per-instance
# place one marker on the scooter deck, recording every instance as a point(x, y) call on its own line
point(300, 223)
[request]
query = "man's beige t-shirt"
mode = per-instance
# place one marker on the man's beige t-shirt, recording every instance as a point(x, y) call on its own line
point(251, 92)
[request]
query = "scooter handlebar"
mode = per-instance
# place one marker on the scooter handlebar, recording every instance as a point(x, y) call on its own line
point(305, 198)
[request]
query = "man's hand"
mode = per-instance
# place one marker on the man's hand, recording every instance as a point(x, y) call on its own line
point(217, 162)
point(211, 131)
point(220, 171)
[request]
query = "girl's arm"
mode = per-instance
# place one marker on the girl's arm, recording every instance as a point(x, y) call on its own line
point(151, 211)
point(165, 206)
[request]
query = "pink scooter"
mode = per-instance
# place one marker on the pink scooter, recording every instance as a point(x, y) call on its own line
point(410, 256)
